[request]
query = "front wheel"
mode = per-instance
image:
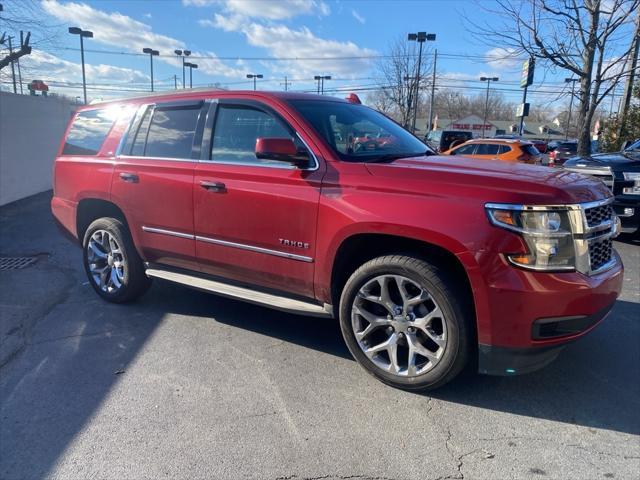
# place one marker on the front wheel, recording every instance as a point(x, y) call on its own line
point(115, 270)
point(404, 323)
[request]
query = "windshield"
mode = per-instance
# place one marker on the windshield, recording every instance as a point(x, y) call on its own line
point(359, 134)
point(634, 147)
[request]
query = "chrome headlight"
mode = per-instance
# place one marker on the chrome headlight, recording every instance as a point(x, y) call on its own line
point(635, 176)
point(546, 232)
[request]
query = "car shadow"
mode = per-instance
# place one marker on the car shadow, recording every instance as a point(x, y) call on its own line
point(593, 382)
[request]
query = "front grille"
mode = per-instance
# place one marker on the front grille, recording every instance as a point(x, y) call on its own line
point(596, 215)
point(600, 253)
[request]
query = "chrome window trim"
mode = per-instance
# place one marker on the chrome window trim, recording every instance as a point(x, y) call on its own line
point(253, 248)
point(241, 246)
point(169, 159)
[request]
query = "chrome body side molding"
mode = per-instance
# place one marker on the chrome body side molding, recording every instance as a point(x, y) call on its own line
point(241, 246)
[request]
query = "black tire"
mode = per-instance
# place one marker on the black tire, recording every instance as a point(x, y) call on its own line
point(441, 287)
point(134, 282)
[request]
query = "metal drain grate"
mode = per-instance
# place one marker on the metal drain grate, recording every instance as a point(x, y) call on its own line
point(16, 263)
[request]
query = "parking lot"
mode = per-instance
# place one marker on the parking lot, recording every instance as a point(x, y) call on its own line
point(182, 384)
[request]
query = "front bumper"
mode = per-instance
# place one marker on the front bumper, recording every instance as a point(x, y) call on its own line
point(496, 360)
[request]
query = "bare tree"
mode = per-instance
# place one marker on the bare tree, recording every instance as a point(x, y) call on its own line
point(591, 39)
point(397, 73)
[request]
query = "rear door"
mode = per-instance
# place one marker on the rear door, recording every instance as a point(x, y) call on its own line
point(153, 180)
point(465, 150)
point(255, 220)
point(487, 151)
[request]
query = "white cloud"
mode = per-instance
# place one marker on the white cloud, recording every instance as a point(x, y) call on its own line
point(357, 16)
point(48, 67)
point(503, 58)
point(129, 34)
point(147, 15)
point(268, 9)
point(300, 49)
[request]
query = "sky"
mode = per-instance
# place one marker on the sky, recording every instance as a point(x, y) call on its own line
point(296, 39)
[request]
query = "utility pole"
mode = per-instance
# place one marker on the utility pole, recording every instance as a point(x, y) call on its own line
point(13, 70)
point(573, 84)
point(286, 83)
point(175, 82)
point(628, 89)
point(433, 90)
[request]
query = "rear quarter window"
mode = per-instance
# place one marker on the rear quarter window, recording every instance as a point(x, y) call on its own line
point(88, 132)
point(530, 149)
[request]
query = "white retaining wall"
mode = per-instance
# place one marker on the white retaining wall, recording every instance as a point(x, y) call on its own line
point(31, 129)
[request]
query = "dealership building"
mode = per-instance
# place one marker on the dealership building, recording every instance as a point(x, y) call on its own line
point(475, 124)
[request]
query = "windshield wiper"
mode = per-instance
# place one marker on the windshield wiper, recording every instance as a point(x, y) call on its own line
point(390, 157)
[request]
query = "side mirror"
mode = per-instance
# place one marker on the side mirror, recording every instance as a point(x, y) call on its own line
point(281, 150)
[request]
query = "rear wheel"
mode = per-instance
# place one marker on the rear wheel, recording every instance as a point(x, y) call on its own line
point(115, 270)
point(404, 323)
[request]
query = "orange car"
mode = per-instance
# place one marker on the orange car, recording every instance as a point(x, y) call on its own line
point(498, 149)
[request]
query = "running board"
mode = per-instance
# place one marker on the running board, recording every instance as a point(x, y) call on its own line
point(269, 300)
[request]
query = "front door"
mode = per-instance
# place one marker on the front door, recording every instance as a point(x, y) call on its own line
point(255, 219)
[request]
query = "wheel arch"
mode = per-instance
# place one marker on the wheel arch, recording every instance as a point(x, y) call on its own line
point(90, 209)
point(359, 248)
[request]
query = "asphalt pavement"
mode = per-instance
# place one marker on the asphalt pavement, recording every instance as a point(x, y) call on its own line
point(182, 384)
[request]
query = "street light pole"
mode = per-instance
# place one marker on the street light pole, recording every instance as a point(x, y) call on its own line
point(151, 53)
point(254, 76)
point(572, 81)
point(486, 102)
point(433, 89)
point(191, 67)
point(419, 37)
point(82, 34)
point(321, 79)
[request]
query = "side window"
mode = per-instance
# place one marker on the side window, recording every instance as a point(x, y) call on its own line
point(465, 150)
point(236, 129)
point(88, 132)
point(141, 135)
point(503, 149)
point(171, 132)
point(487, 149)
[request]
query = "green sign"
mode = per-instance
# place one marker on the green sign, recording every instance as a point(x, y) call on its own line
point(528, 68)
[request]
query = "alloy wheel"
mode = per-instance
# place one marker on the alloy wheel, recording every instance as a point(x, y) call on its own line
point(398, 325)
point(106, 261)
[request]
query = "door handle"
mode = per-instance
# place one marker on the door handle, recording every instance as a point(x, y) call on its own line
point(215, 187)
point(129, 177)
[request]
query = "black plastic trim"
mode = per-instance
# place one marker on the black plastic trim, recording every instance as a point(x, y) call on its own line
point(558, 327)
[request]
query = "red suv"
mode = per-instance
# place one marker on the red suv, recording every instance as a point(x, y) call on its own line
point(429, 263)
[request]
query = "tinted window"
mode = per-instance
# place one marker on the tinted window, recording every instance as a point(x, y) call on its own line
point(487, 149)
point(465, 150)
point(358, 133)
point(141, 134)
point(530, 149)
point(236, 130)
point(88, 132)
point(503, 149)
point(171, 132)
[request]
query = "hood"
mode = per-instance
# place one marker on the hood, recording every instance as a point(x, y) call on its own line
point(489, 180)
point(616, 159)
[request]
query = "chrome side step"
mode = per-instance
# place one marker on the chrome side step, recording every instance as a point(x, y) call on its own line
point(244, 294)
